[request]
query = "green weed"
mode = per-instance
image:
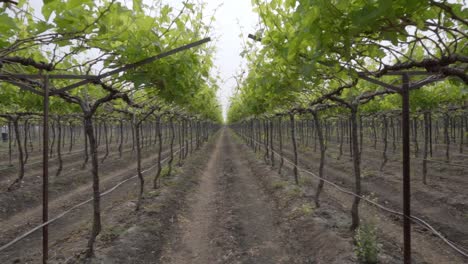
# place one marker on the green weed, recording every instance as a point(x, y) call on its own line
point(294, 192)
point(278, 184)
point(367, 248)
point(305, 181)
point(306, 209)
point(367, 174)
point(111, 233)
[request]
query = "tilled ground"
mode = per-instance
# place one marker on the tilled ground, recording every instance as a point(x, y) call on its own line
point(67, 235)
point(229, 219)
point(225, 205)
point(443, 209)
point(235, 214)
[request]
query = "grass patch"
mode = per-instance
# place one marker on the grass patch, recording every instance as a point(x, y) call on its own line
point(302, 210)
point(294, 192)
point(278, 184)
point(306, 209)
point(111, 233)
point(259, 155)
point(167, 180)
point(367, 174)
point(305, 181)
point(153, 193)
point(334, 155)
point(165, 171)
point(303, 148)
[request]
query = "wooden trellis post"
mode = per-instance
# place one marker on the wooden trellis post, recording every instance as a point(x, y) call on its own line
point(404, 92)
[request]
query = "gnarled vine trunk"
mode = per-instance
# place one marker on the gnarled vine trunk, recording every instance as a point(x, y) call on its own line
point(17, 183)
point(318, 128)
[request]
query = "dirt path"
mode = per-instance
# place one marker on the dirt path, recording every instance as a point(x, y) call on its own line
point(229, 218)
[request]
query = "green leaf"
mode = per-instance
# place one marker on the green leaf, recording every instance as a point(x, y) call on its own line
point(49, 7)
point(137, 5)
point(7, 23)
point(42, 26)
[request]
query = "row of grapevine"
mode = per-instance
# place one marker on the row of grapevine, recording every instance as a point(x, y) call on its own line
point(96, 73)
point(358, 72)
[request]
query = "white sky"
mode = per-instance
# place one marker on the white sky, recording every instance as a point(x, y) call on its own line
point(232, 17)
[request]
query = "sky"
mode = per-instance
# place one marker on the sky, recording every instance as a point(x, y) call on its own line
point(233, 17)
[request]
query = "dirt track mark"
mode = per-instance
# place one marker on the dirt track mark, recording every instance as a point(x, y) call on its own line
point(194, 226)
point(258, 235)
point(229, 219)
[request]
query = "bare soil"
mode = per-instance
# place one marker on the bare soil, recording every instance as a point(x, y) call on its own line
point(225, 205)
point(20, 214)
point(229, 211)
point(229, 219)
point(442, 202)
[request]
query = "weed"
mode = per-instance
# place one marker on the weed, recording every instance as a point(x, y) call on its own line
point(294, 192)
point(153, 193)
point(165, 171)
point(306, 209)
point(367, 174)
point(278, 184)
point(305, 181)
point(111, 233)
point(367, 248)
point(154, 208)
point(303, 210)
point(302, 148)
point(259, 155)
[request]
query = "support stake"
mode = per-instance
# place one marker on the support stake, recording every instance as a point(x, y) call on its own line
point(406, 170)
point(45, 173)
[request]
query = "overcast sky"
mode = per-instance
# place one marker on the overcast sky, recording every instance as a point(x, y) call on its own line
point(233, 17)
